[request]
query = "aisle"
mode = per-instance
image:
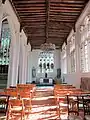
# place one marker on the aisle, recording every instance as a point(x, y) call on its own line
point(43, 105)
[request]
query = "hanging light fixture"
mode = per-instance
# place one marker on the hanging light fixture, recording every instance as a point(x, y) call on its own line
point(47, 47)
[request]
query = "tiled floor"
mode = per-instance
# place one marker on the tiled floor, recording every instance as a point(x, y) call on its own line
point(43, 105)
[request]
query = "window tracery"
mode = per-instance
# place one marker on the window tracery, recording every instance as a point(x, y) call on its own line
point(5, 43)
point(64, 59)
point(85, 45)
point(72, 54)
point(46, 62)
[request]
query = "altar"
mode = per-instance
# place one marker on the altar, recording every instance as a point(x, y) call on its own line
point(46, 81)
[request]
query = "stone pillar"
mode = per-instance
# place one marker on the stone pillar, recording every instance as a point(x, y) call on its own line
point(1, 16)
point(68, 58)
point(23, 59)
point(25, 64)
point(77, 44)
point(22, 54)
point(14, 59)
point(28, 64)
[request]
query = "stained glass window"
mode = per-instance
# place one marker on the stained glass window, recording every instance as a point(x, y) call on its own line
point(46, 62)
point(5, 43)
point(4, 47)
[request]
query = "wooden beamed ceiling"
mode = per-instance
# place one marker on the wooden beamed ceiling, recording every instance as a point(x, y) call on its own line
point(48, 20)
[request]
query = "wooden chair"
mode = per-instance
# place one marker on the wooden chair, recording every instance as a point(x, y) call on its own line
point(61, 103)
point(86, 106)
point(30, 87)
point(16, 109)
point(4, 99)
point(73, 107)
point(12, 92)
point(27, 99)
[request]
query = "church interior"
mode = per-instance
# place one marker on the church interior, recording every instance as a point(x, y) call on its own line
point(44, 60)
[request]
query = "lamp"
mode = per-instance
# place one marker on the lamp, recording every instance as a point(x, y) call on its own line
point(47, 47)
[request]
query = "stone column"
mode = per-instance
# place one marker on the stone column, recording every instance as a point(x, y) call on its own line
point(1, 16)
point(22, 55)
point(78, 72)
point(28, 64)
point(77, 45)
point(68, 58)
point(23, 59)
point(25, 65)
point(14, 59)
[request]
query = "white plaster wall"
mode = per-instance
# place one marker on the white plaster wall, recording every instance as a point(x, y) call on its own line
point(34, 55)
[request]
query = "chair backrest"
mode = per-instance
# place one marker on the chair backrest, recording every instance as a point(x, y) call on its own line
point(16, 103)
point(26, 85)
point(25, 94)
point(64, 87)
point(73, 104)
point(86, 104)
point(11, 92)
point(4, 100)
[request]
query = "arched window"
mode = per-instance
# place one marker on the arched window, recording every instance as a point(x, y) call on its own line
point(4, 50)
point(5, 43)
point(46, 62)
point(85, 44)
point(72, 54)
point(64, 59)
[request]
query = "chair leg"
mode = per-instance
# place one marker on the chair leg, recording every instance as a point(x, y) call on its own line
point(7, 115)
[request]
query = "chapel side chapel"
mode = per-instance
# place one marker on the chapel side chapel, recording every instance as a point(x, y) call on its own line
point(19, 63)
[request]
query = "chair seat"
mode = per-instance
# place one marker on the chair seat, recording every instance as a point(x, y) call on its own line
point(87, 117)
point(74, 117)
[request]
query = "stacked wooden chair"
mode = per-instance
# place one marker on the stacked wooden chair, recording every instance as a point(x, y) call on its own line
point(72, 99)
point(20, 101)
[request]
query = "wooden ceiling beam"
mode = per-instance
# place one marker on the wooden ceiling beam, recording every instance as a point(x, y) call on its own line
point(32, 16)
point(63, 18)
point(67, 21)
point(58, 36)
point(61, 24)
point(66, 5)
point(29, 1)
point(28, 5)
point(59, 15)
point(36, 35)
point(64, 13)
point(47, 18)
point(57, 33)
point(33, 21)
point(58, 30)
point(35, 27)
point(30, 8)
point(65, 8)
point(31, 11)
point(76, 2)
